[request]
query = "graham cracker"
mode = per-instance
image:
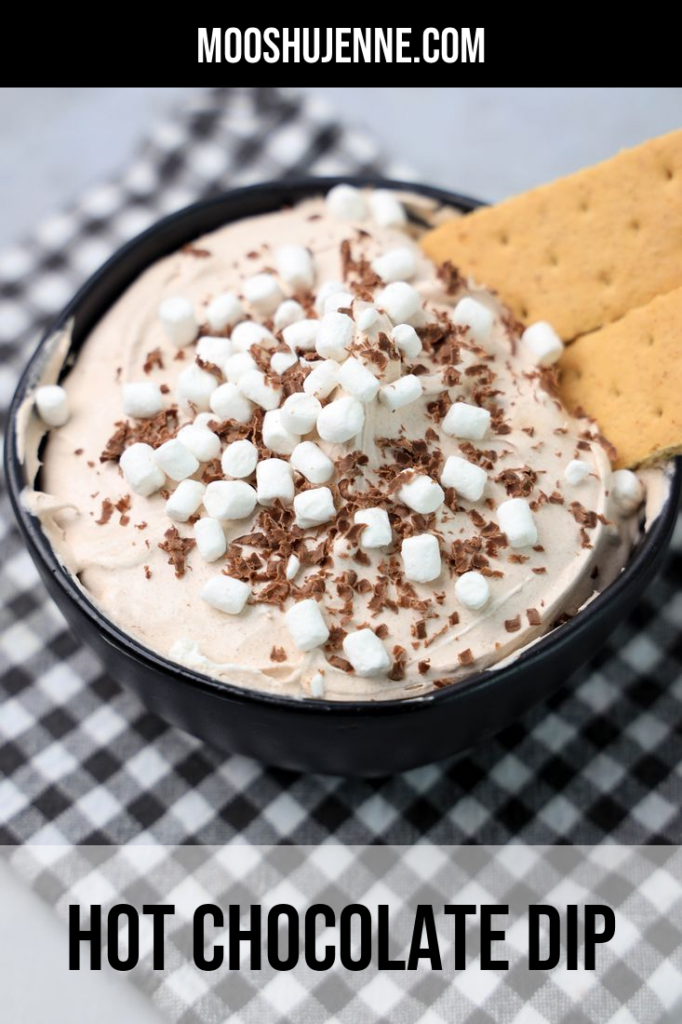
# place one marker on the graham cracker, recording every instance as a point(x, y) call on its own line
point(583, 250)
point(628, 377)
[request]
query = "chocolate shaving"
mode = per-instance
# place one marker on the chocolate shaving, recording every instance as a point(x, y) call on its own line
point(533, 616)
point(177, 548)
point(106, 513)
point(278, 654)
point(513, 625)
point(154, 361)
point(449, 275)
point(466, 657)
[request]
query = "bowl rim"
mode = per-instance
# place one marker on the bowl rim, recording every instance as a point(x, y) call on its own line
point(655, 538)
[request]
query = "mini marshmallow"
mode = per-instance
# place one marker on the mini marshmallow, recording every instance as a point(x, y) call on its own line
point(276, 437)
point(377, 532)
point(472, 590)
point(293, 566)
point(334, 335)
point(467, 421)
point(141, 399)
point(300, 412)
point(627, 490)
point(287, 313)
point(214, 350)
point(543, 343)
point(274, 482)
point(317, 685)
point(314, 507)
point(210, 538)
point(237, 365)
point(323, 293)
point(400, 301)
point(224, 311)
point(52, 405)
point(366, 653)
point(254, 386)
point(140, 470)
point(185, 500)
point(295, 266)
point(341, 420)
point(228, 403)
point(302, 334)
point(576, 472)
point(280, 362)
point(229, 499)
point(387, 210)
point(263, 293)
point(406, 339)
point(422, 494)
point(339, 300)
point(367, 319)
point(421, 558)
point(239, 459)
point(175, 460)
point(516, 520)
point(468, 480)
point(309, 460)
point(200, 441)
point(226, 594)
point(474, 315)
point(322, 379)
point(248, 333)
point(179, 322)
point(357, 380)
point(345, 202)
point(396, 265)
point(306, 625)
point(195, 387)
point(401, 392)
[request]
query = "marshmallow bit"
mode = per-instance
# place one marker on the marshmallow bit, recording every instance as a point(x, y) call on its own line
point(317, 685)
point(337, 301)
point(185, 500)
point(576, 472)
point(366, 653)
point(203, 420)
point(276, 437)
point(248, 333)
point(224, 311)
point(396, 265)
point(295, 266)
point(323, 293)
point(472, 590)
point(322, 379)
point(140, 471)
point(358, 380)
point(306, 625)
point(226, 594)
point(210, 538)
point(627, 491)
point(254, 386)
point(516, 520)
point(195, 387)
point(274, 482)
point(401, 392)
point(468, 480)
point(377, 532)
point(280, 362)
point(300, 412)
point(263, 293)
point(52, 405)
point(341, 420)
point(474, 315)
point(421, 558)
point(214, 350)
point(314, 507)
point(287, 313)
point(229, 499)
point(141, 399)
point(467, 421)
point(400, 301)
point(387, 211)
point(543, 343)
point(200, 441)
point(175, 460)
point(367, 319)
point(335, 333)
point(293, 566)
point(308, 459)
point(345, 202)
point(178, 320)
point(239, 459)
point(237, 365)
point(228, 403)
point(406, 339)
point(302, 335)
point(422, 494)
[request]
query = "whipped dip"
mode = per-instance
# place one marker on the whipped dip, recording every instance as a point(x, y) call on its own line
point(143, 568)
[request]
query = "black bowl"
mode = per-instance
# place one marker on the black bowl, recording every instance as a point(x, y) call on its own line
point(346, 738)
